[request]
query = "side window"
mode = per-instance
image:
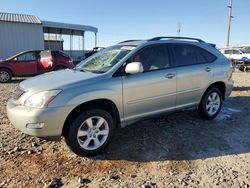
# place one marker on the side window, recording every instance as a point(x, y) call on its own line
point(228, 51)
point(31, 56)
point(153, 57)
point(184, 54)
point(236, 52)
point(21, 57)
point(203, 56)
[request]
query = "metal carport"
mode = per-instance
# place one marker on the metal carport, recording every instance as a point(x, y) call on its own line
point(60, 29)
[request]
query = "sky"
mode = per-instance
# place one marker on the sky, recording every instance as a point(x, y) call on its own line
point(142, 19)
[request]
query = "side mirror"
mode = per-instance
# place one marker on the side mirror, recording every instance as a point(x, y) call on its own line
point(134, 68)
point(15, 59)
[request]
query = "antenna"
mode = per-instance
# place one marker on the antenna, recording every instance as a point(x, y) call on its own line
point(179, 30)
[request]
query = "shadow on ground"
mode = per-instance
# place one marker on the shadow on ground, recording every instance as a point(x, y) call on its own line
point(16, 80)
point(247, 88)
point(184, 136)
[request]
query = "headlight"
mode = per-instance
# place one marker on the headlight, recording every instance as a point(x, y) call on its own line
point(42, 99)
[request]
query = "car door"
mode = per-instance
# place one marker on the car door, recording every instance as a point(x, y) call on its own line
point(154, 90)
point(26, 63)
point(194, 73)
point(237, 54)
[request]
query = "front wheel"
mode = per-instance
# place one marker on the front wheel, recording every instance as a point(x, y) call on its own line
point(210, 104)
point(90, 132)
point(5, 75)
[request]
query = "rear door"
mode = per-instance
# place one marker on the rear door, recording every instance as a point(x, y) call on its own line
point(194, 73)
point(26, 63)
point(154, 90)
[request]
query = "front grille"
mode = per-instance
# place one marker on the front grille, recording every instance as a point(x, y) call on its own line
point(17, 93)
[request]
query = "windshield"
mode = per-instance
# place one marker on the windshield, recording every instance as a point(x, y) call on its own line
point(246, 51)
point(104, 60)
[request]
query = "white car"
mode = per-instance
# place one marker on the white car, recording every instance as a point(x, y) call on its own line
point(236, 54)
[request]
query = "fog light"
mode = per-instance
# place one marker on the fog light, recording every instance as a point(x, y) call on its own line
point(35, 125)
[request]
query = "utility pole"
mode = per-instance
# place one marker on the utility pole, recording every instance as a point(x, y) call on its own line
point(179, 30)
point(230, 6)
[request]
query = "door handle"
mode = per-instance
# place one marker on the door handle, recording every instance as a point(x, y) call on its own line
point(208, 69)
point(170, 76)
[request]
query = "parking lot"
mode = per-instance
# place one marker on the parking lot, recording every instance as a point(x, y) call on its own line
point(175, 150)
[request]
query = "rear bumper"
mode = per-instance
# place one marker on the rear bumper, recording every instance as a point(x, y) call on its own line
point(229, 88)
point(51, 119)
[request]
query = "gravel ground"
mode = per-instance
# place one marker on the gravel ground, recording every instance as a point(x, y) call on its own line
point(178, 150)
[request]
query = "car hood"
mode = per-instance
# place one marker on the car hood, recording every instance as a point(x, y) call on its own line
point(56, 80)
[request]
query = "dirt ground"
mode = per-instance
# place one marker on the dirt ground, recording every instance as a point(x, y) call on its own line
point(177, 150)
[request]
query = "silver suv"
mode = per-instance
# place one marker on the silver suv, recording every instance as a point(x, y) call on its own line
point(119, 86)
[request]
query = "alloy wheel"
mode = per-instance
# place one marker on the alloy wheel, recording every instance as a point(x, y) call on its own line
point(93, 133)
point(4, 76)
point(213, 103)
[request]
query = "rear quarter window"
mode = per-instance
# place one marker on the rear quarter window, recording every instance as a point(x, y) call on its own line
point(203, 56)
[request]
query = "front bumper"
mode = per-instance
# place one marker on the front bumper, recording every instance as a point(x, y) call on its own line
point(52, 119)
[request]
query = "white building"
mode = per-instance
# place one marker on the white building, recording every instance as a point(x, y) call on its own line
point(19, 32)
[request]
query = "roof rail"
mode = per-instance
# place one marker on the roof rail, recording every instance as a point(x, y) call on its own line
point(128, 41)
point(187, 38)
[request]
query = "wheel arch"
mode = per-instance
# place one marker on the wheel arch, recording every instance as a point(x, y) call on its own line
point(220, 85)
point(104, 104)
point(7, 68)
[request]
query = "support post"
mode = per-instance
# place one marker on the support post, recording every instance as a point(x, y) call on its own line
point(95, 39)
point(71, 42)
point(83, 46)
point(229, 21)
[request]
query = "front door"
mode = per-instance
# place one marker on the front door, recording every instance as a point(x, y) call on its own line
point(26, 64)
point(154, 90)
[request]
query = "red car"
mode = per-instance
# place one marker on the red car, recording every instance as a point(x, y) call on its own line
point(30, 63)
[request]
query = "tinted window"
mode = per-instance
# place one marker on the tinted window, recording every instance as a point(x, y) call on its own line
point(59, 54)
point(200, 55)
point(184, 54)
point(190, 55)
point(203, 56)
point(31, 56)
point(153, 57)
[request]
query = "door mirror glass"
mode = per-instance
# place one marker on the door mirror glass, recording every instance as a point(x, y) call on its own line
point(134, 68)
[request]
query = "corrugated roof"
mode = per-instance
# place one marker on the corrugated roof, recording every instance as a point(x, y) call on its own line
point(19, 18)
point(68, 26)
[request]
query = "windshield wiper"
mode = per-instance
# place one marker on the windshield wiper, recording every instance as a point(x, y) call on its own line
point(97, 71)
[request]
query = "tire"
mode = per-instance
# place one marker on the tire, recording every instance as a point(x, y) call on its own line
point(84, 142)
point(60, 67)
point(5, 75)
point(242, 68)
point(209, 106)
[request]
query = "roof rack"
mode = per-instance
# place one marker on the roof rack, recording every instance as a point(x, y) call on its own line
point(128, 41)
point(184, 38)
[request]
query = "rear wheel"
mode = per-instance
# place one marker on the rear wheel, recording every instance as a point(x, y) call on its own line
point(90, 132)
point(5, 75)
point(210, 104)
